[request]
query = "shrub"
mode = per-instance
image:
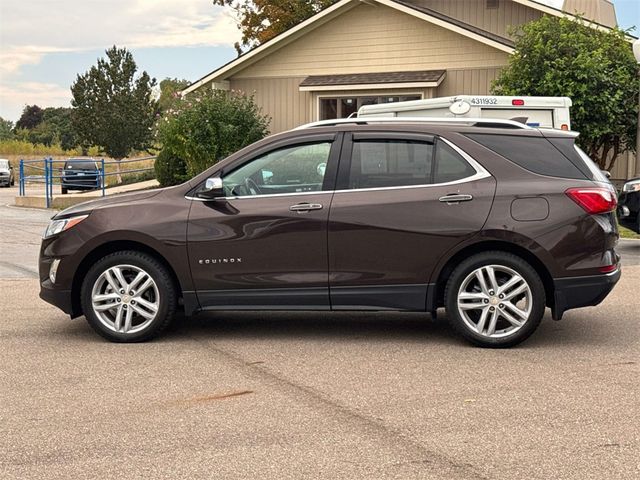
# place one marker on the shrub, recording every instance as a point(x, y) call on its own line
point(207, 126)
point(170, 169)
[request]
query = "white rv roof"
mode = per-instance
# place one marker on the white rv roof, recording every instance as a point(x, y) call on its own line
point(485, 101)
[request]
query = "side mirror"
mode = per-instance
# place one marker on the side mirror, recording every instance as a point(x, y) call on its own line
point(606, 174)
point(212, 189)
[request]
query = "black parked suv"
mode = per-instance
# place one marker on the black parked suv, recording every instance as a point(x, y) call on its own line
point(629, 205)
point(493, 220)
point(80, 174)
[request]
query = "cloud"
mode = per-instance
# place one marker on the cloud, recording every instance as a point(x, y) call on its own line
point(32, 29)
point(14, 97)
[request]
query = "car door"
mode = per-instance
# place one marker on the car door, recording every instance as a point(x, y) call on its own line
point(401, 202)
point(265, 244)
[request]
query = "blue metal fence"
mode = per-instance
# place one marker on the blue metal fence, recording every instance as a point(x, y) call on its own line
point(43, 172)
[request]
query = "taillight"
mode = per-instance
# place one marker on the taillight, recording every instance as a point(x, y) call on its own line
point(517, 102)
point(594, 200)
point(608, 268)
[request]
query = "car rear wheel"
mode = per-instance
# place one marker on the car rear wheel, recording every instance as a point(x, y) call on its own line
point(495, 299)
point(128, 296)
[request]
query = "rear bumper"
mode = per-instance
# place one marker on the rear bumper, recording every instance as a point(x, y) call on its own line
point(576, 292)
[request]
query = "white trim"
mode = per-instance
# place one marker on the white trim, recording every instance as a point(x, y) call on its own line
point(370, 86)
point(278, 41)
point(318, 97)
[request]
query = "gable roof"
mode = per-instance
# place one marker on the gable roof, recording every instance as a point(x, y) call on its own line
point(279, 41)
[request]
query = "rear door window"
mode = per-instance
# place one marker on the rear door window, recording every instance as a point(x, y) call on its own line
point(378, 162)
point(535, 154)
point(450, 166)
point(390, 163)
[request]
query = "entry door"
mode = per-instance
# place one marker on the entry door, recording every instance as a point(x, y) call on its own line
point(265, 244)
point(401, 203)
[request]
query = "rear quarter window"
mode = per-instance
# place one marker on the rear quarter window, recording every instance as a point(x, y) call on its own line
point(535, 154)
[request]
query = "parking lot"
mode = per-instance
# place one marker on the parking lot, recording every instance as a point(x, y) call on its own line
point(278, 396)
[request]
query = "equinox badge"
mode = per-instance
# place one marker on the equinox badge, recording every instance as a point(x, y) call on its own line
point(209, 261)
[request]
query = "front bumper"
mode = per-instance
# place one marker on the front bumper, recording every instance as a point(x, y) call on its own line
point(576, 292)
point(56, 297)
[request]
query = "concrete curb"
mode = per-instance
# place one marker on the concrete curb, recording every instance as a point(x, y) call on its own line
point(60, 202)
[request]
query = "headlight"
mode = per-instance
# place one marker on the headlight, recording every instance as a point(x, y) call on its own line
point(57, 226)
point(632, 186)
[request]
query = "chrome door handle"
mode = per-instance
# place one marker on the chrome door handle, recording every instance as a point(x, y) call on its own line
point(456, 198)
point(305, 207)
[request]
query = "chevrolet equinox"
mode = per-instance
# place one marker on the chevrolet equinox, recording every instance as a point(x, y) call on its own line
point(490, 219)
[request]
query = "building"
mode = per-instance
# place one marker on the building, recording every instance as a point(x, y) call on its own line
point(359, 52)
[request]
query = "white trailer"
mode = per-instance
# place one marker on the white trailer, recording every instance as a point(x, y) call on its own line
point(546, 112)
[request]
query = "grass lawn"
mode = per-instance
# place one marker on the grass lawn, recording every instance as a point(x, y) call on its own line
point(626, 233)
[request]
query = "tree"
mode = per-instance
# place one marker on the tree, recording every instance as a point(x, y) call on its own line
point(595, 68)
point(55, 128)
point(6, 129)
point(170, 89)
point(114, 108)
point(261, 20)
point(206, 127)
point(30, 118)
point(59, 120)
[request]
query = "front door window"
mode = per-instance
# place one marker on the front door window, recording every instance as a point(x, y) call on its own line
point(300, 168)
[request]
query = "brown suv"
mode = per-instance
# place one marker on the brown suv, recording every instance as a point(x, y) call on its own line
point(490, 219)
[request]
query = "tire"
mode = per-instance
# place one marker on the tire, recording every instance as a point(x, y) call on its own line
point(515, 315)
point(120, 316)
point(64, 191)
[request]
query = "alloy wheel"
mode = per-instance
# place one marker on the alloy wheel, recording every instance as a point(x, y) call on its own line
point(494, 301)
point(125, 298)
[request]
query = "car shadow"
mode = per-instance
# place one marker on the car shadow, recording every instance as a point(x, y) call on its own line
point(315, 326)
point(382, 327)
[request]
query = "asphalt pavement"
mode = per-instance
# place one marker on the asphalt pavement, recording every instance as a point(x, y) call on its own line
point(344, 396)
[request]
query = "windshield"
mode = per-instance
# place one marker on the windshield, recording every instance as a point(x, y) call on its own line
point(4, 164)
point(80, 165)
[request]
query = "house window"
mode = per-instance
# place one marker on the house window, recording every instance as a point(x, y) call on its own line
point(342, 107)
point(493, 4)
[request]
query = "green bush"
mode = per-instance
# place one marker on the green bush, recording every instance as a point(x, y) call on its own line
point(170, 169)
point(207, 126)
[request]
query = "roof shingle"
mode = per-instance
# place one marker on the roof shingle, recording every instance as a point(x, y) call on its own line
point(373, 78)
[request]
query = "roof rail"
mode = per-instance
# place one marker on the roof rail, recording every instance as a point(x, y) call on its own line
point(472, 122)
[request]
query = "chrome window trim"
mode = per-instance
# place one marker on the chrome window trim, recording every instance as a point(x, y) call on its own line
point(481, 173)
point(266, 195)
point(472, 178)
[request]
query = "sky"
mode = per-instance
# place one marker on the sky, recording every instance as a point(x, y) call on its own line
point(45, 44)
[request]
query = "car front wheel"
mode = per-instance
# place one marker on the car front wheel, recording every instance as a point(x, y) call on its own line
point(128, 296)
point(495, 299)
